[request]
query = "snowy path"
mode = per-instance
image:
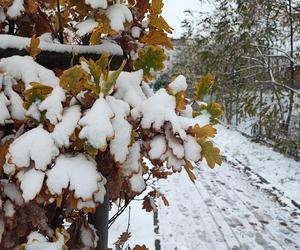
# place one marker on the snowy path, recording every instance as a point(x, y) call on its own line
point(224, 211)
point(228, 207)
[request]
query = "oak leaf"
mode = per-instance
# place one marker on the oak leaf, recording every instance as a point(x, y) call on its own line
point(139, 247)
point(141, 8)
point(157, 37)
point(205, 131)
point(73, 79)
point(189, 169)
point(150, 59)
point(203, 86)
point(211, 154)
point(33, 48)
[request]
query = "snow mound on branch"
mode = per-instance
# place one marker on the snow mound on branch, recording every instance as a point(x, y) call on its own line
point(17, 42)
point(118, 14)
point(178, 85)
point(26, 69)
point(36, 145)
point(97, 3)
point(128, 88)
point(66, 127)
point(120, 143)
point(157, 110)
point(96, 123)
point(86, 26)
point(53, 105)
point(77, 173)
point(15, 9)
point(31, 183)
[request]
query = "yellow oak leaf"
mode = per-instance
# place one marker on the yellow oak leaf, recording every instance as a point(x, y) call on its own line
point(33, 48)
point(156, 7)
point(181, 100)
point(157, 37)
point(160, 23)
point(205, 131)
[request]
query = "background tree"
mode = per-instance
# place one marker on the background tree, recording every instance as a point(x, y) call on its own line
point(249, 47)
point(75, 139)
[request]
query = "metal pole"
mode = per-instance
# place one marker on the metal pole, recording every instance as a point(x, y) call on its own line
point(100, 221)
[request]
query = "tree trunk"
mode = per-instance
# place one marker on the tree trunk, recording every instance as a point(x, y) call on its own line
point(291, 98)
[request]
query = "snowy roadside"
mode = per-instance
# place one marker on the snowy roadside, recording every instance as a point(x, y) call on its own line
point(280, 171)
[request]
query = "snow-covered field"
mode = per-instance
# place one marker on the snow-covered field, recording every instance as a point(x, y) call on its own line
point(227, 208)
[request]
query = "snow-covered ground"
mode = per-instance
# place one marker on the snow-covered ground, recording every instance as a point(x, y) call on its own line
point(227, 208)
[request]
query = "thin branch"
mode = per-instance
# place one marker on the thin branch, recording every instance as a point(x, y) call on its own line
point(60, 27)
point(280, 85)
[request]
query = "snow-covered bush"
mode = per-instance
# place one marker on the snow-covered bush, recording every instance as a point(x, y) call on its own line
point(73, 137)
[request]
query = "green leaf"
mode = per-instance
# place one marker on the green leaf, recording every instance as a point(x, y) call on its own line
point(73, 79)
point(210, 153)
point(202, 86)
point(150, 59)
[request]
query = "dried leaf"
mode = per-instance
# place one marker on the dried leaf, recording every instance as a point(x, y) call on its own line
point(141, 8)
point(189, 169)
point(139, 247)
point(165, 201)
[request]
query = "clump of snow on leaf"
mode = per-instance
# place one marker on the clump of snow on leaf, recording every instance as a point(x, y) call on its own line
point(96, 123)
point(79, 174)
point(178, 85)
point(158, 109)
point(53, 105)
point(122, 129)
point(128, 88)
point(66, 127)
point(36, 145)
point(118, 14)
